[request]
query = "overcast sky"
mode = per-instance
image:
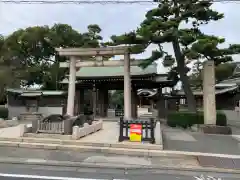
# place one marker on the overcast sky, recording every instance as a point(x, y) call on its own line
point(113, 19)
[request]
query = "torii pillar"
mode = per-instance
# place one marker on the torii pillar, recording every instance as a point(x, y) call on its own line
point(71, 86)
point(127, 88)
point(103, 51)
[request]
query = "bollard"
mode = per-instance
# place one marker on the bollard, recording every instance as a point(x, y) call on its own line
point(23, 129)
point(75, 133)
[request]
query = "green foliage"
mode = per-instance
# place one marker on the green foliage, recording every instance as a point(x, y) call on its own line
point(167, 23)
point(3, 112)
point(117, 99)
point(222, 72)
point(186, 119)
point(30, 53)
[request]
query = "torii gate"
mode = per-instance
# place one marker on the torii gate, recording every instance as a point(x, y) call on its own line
point(99, 53)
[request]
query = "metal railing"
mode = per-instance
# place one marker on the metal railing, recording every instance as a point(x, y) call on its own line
point(50, 127)
point(119, 113)
point(53, 124)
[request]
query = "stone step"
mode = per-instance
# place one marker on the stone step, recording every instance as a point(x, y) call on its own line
point(123, 145)
point(84, 148)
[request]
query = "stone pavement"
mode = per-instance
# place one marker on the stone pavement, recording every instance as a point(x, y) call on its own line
point(233, 118)
point(105, 140)
point(182, 140)
point(109, 134)
point(10, 132)
point(225, 163)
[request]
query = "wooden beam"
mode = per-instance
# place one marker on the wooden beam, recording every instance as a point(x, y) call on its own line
point(117, 50)
point(110, 63)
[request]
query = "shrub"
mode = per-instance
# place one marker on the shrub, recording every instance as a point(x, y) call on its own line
point(187, 119)
point(3, 112)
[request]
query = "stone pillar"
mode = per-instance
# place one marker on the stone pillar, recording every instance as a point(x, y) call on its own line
point(127, 87)
point(209, 102)
point(81, 101)
point(134, 103)
point(106, 102)
point(71, 86)
point(103, 102)
point(100, 102)
point(77, 103)
point(151, 105)
point(94, 99)
point(161, 108)
point(90, 98)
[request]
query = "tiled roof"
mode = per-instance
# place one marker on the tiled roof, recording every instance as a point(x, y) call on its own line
point(217, 91)
point(35, 92)
point(114, 71)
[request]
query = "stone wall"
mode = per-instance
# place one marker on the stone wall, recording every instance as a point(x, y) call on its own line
point(50, 101)
point(46, 105)
point(15, 111)
point(226, 101)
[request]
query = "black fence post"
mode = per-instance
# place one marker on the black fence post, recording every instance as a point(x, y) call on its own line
point(152, 127)
point(120, 138)
point(147, 126)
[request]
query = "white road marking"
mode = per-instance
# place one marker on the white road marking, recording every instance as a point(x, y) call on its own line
point(43, 177)
point(202, 177)
point(36, 160)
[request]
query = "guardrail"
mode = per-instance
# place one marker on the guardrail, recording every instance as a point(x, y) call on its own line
point(148, 127)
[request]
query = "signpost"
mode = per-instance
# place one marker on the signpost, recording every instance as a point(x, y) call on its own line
point(136, 132)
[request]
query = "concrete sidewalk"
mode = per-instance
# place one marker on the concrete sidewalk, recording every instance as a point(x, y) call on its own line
point(38, 155)
point(10, 132)
point(183, 140)
point(10, 155)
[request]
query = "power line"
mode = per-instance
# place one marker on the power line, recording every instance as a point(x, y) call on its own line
point(75, 2)
point(89, 1)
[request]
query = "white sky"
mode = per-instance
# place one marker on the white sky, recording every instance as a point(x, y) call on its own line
point(113, 19)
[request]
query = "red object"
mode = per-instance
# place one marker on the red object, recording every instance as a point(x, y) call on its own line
point(136, 129)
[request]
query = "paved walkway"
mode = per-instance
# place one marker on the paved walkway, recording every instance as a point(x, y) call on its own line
point(11, 132)
point(109, 134)
point(87, 157)
point(181, 140)
point(228, 163)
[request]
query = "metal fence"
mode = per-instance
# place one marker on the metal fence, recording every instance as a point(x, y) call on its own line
point(53, 124)
point(148, 127)
point(119, 113)
point(50, 127)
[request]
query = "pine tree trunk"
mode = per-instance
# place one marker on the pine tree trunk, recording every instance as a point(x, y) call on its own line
point(191, 102)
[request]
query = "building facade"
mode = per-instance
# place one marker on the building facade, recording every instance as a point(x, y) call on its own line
point(21, 102)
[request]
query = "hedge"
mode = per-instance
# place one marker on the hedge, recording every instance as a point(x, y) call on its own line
point(3, 112)
point(186, 119)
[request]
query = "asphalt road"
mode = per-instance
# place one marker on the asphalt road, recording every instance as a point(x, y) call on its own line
point(34, 172)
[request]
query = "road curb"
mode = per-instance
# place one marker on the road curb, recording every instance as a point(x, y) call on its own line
point(43, 162)
point(104, 148)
